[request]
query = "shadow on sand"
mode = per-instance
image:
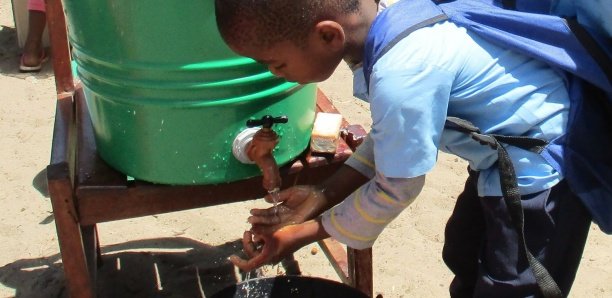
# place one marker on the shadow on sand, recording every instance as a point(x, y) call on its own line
point(161, 267)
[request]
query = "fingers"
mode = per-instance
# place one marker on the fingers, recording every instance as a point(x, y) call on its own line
point(281, 196)
point(263, 229)
point(248, 265)
point(262, 212)
point(249, 247)
point(288, 193)
point(264, 220)
point(241, 263)
point(258, 239)
point(249, 244)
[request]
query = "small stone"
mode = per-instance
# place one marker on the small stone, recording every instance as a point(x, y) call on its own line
point(314, 250)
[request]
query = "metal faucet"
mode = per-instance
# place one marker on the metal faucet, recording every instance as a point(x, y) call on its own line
point(260, 150)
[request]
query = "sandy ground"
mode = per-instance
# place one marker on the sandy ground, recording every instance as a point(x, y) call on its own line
point(192, 243)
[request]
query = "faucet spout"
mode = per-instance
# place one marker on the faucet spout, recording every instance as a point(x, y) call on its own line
point(260, 151)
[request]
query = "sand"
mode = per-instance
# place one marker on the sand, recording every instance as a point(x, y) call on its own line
point(183, 245)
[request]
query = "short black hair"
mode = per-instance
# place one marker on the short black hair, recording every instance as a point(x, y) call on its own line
point(262, 23)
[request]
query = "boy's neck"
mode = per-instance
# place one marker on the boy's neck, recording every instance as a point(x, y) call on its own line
point(356, 28)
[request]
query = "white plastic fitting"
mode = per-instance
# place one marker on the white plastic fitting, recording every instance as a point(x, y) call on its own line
point(241, 143)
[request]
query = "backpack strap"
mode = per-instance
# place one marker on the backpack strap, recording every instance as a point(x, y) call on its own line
point(509, 4)
point(534, 145)
point(510, 191)
point(594, 48)
point(392, 25)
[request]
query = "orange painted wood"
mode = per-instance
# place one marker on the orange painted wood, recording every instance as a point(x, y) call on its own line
point(337, 256)
point(360, 262)
point(60, 49)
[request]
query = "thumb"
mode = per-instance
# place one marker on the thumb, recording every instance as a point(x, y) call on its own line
point(249, 265)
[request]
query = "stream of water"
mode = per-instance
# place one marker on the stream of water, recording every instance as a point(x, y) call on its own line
point(275, 193)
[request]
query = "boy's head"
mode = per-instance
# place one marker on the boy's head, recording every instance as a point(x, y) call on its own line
point(300, 40)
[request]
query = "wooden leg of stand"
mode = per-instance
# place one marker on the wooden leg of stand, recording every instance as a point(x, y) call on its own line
point(292, 267)
point(68, 231)
point(90, 246)
point(360, 266)
point(337, 256)
point(98, 250)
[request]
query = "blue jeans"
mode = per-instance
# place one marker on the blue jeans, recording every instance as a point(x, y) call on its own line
point(481, 246)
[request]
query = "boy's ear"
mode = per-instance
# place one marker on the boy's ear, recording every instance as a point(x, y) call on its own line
point(330, 34)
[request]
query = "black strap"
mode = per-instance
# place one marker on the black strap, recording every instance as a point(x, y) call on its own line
point(510, 191)
point(509, 4)
point(589, 43)
point(512, 197)
point(527, 143)
point(422, 24)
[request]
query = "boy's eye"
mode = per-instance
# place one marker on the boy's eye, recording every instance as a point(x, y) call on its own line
point(280, 66)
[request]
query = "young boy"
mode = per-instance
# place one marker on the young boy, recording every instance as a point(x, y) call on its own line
point(430, 74)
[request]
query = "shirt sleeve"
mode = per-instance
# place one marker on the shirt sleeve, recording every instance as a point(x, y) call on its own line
point(409, 104)
point(359, 219)
point(362, 160)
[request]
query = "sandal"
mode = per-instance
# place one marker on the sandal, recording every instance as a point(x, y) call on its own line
point(33, 68)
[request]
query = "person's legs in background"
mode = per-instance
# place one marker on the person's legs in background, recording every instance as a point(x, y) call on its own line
point(33, 52)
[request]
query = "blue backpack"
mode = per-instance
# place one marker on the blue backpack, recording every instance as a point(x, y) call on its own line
point(583, 155)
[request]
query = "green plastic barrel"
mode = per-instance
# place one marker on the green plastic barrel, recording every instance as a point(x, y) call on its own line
point(167, 97)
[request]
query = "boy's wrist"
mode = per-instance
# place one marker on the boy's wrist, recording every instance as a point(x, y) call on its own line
point(305, 233)
point(322, 196)
point(313, 231)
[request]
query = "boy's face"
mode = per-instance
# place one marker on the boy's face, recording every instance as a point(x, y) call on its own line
point(314, 62)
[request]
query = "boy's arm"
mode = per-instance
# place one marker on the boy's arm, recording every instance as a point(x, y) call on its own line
point(362, 216)
point(356, 171)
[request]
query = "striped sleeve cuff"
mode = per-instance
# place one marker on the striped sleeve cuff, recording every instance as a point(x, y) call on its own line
point(361, 217)
point(362, 160)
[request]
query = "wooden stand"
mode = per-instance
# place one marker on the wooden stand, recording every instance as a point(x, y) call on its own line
point(84, 190)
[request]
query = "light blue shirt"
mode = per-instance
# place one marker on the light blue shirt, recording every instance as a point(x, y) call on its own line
point(442, 71)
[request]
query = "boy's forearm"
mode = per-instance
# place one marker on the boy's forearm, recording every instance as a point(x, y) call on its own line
point(309, 232)
point(355, 172)
point(340, 185)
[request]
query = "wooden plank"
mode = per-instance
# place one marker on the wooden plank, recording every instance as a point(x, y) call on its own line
point(68, 231)
point(92, 171)
point(60, 50)
point(360, 267)
point(325, 105)
point(61, 146)
point(141, 199)
point(337, 256)
point(90, 246)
